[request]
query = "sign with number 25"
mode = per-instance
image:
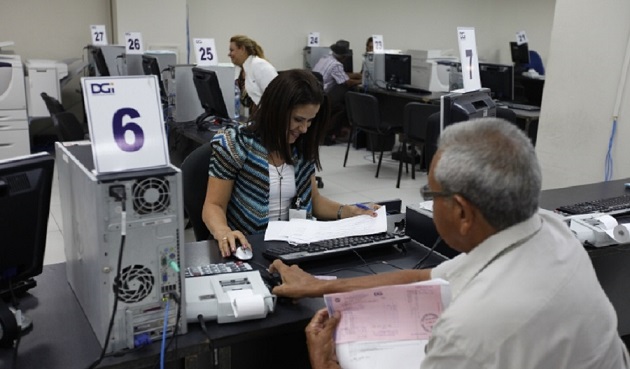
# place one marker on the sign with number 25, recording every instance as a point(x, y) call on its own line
point(126, 123)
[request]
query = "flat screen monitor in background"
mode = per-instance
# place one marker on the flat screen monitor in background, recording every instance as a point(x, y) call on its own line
point(99, 60)
point(150, 66)
point(520, 53)
point(398, 69)
point(459, 107)
point(499, 78)
point(209, 92)
point(25, 186)
point(347, 62)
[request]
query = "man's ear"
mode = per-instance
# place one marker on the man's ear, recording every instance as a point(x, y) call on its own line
point(466, 214)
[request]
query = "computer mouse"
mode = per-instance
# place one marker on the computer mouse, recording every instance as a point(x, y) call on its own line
point(243, 253)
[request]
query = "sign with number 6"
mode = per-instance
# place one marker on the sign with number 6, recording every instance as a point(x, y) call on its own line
point(126, 123)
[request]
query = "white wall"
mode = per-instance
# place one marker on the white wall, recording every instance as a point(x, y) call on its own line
point(55, 29)
point(281, 26)
point(588, 45)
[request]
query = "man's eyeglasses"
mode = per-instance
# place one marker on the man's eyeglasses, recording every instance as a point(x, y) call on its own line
point(428, 195)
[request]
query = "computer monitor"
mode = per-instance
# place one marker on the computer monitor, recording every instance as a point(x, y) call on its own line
point(25, 186)
point(209, 92)
point(520, 53)
point(99, 60)
point(398, 69)
point(499, 79)
point(458, 107)
point(150, 66)
point(347, 62)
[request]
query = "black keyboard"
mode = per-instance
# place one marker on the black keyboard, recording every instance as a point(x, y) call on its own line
point(327, 249)
point(611, 205)
point(526, 107)
point(414, 89)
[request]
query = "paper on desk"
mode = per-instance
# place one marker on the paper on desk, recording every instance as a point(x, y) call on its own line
point(306, 231)
point(387, 323)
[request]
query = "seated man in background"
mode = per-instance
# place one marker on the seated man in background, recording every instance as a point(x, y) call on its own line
point(524, 291)
point(336, 83)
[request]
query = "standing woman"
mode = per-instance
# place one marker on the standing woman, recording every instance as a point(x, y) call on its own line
point(257, 172)
point(253, 72)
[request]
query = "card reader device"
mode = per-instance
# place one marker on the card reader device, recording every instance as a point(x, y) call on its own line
point(228, 298)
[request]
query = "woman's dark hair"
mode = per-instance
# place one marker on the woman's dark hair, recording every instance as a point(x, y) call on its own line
point(288, 90)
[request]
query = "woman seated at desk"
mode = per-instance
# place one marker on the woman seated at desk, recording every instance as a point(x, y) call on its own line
point(257, 172)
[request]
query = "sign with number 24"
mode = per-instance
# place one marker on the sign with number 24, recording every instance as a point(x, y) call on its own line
point(126, 123)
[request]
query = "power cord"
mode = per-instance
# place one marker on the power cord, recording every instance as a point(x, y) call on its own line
point(119, 194)
point(419, 264)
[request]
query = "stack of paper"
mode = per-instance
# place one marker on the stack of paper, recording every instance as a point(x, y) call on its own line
point(306, 231)
point(387, 327)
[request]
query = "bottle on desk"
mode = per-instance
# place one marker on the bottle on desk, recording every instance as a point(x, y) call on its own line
point(237, 101)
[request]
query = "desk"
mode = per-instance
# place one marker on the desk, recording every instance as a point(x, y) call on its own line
point(62, 337)
point(610, 263)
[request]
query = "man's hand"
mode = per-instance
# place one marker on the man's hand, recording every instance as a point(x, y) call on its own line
point(319, 339)
point(296, 283)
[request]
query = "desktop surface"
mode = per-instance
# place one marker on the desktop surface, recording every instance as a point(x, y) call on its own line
point(60, 327)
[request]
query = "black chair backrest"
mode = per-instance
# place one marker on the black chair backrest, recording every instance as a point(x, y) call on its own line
point(68, 127)
point(195, 183)
point(52, 105)
point(364, 112)
point(415, 119)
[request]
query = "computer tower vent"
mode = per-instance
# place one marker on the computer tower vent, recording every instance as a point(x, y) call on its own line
point(136, 283)
point(151, 195)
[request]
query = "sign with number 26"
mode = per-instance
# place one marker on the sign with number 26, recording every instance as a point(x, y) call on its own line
point(126, 123)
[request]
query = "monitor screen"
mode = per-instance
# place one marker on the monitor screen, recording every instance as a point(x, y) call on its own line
point(99, 60)
point(459, 107)
point(398, 69)
point(520, 53)
point(150, 66)
point(25, 186)
point(347, 62)
point(209, 92)
point(499, 79)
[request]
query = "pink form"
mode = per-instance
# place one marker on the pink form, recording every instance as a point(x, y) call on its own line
point(401, 312)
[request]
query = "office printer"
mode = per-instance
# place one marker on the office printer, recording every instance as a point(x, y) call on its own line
point(227, 298)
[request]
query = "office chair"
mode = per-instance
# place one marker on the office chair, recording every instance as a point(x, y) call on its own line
point(535, 62)
point(431, 141)
point(68, 127)
point(415, 120)
point(364, 115)
point(52, 105)
point(195, 183)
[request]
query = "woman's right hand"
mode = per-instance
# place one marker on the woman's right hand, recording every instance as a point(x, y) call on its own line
point(230, 240)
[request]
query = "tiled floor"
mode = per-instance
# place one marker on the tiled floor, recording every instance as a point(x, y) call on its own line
point(354, 183)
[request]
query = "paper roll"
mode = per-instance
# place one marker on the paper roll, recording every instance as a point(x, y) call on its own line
point(245, 304)
point(621, 233)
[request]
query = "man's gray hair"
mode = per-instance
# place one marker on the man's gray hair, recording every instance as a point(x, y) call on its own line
point(490, 162)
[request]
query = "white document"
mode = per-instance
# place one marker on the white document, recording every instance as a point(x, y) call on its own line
point(387, 327)
point(306, 231)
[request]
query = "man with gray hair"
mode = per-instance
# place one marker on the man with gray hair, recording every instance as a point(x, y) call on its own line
point(336, 83)
point(524, 291)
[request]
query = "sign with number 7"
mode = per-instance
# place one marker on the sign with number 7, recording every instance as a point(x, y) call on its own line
point(469, 58)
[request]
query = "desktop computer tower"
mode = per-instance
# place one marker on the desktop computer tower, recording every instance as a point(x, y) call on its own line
point(150, 280)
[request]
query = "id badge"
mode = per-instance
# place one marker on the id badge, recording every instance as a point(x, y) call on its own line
point(297, 214)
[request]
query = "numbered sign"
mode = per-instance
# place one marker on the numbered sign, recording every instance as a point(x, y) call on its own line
point(133, 43)
point(98, 34)
point(377, 42)
point(313, 39)
point(469, 58)
point(126, 123)
point(205, 51)
point(521, 38)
